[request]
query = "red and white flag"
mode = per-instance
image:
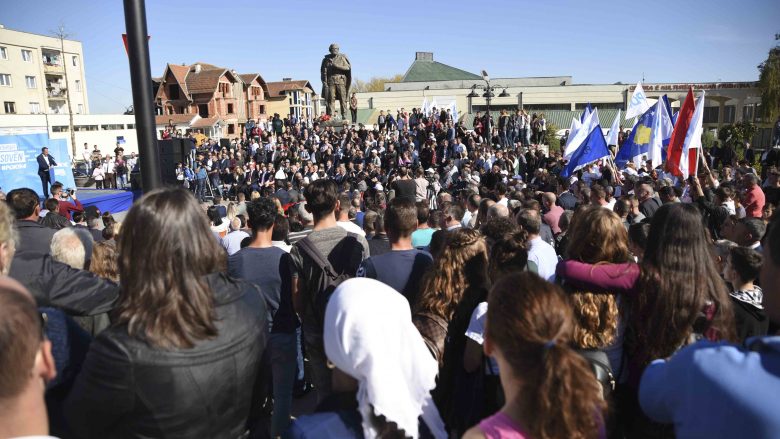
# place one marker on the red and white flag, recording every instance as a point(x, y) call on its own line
point(678, 139)
point(689, 159)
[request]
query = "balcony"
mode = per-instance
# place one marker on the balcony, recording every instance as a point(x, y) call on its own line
point(49, 67)
point(56, 93)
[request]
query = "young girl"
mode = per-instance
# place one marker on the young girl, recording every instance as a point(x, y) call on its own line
point(550, 390)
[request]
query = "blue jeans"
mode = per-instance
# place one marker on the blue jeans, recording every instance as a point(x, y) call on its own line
point(122, 180)
point(200, 188)
point(283, 348)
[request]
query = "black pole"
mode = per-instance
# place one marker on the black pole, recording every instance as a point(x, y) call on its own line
point(143, 105)
point(489, 126)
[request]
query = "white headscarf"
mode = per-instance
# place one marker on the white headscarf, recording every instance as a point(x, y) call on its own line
point(370, 336)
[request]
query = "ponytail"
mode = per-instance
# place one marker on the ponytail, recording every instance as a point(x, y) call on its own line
point(562, 398)
point(531, 324)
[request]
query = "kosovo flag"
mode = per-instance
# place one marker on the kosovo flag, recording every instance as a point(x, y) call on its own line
point(638, 142)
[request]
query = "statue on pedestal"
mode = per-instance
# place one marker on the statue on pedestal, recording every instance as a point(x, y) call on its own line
point(336, 76)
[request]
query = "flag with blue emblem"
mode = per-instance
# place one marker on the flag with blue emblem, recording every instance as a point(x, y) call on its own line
point(656, 120)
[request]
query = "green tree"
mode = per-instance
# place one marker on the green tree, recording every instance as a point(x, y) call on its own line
point(552, 140)
point(375, 84)
point(769, 83)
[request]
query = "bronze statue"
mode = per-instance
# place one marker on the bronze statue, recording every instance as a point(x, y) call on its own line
point(336, 75)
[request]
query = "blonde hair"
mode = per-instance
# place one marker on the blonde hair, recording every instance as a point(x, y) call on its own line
point(596, 235)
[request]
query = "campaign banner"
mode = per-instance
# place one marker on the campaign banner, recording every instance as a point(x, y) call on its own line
point(19, 164)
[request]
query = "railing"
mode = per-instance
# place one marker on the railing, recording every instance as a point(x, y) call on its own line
point(56, 93)
point(49, 67)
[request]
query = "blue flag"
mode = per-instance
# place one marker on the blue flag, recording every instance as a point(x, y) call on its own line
point(588, 110)
point(593, 148)
point(638, 142)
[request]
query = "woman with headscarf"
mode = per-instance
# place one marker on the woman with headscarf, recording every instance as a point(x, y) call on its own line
point(383, 372)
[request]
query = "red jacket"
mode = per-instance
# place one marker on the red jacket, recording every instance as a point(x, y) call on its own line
point(66, 207)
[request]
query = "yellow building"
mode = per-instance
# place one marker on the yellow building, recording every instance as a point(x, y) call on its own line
point(33, 72)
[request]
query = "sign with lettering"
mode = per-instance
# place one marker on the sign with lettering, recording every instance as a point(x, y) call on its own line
point(19, 164)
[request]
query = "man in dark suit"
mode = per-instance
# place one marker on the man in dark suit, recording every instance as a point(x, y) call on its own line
point(45, 162)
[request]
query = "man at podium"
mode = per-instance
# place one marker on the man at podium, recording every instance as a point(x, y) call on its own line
point(45, 163)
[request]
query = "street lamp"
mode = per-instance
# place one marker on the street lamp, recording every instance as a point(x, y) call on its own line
point(488, 95)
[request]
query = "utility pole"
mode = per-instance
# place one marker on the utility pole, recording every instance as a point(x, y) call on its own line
point(60, 33)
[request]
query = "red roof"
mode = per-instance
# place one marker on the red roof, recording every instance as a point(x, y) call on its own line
point(276, 89)
point(178, 119)
point(180, 73)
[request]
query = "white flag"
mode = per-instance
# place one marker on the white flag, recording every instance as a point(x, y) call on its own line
point(575, 126)
point(612, 137)
point(661, 130)
point(693, 139)
point(638, 103)
point(591, 122)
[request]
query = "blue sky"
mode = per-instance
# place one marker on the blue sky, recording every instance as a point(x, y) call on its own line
point(595, 42)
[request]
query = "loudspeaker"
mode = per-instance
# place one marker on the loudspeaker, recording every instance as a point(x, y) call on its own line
point(172, 152)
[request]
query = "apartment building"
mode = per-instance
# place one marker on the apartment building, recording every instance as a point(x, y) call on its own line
point(37, 75)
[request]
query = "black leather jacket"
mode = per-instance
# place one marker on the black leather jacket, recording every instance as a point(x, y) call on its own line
point(128, 389)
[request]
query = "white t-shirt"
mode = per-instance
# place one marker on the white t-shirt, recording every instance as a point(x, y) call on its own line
point(543, 254)
point(349, 226)
point(476, 332)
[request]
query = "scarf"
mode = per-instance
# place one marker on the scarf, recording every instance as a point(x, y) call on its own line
point(753, 297)
point(369, 335)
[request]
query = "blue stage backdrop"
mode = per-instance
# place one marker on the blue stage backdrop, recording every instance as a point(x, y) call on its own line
point(19, 168)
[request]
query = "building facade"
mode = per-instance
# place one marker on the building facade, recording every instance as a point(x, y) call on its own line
point(445, 87)
point(214, 100)
point(293, 97)
point(33, 72)
point(103, 130)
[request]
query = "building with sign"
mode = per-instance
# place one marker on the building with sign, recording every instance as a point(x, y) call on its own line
point(558, 97)
point(38, 76)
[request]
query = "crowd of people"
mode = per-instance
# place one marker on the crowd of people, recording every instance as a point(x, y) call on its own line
point(421, 279)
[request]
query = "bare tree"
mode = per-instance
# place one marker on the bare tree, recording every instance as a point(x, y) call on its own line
point(62, 35)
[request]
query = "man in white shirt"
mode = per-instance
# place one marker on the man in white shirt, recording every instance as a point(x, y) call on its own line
point(540, 252)
point(86, 155)
point(342, 215)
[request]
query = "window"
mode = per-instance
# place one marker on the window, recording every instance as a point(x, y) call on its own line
point(3, 53)
point(112, 126)
point(729, 112)
point(131, 126)
point(10, 107)
point(31, 82)
point(26, 55)
point(711, 114)
point(85, 128)
point(173, 91)
point(231, 129)
point(295, 97)
point(203, 110)
point(5, 79)
point(230, 109)
point(748, 111)
point(59, 129)
point(262, 109)
point(35, 108)
point(78, 85)
point(75, 60)
point(81, 111)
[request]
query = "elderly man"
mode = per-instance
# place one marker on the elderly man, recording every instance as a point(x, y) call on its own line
point(753, 199)
point(552, 211)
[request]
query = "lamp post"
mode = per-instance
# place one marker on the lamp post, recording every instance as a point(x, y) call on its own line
point(488, 95)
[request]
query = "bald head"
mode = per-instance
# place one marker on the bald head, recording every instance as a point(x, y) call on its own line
point(548, 198)
point(497, 211)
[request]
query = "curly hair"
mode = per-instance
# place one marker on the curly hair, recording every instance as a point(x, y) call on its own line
point(596, 235)
point(509, 254)
point(462, 263)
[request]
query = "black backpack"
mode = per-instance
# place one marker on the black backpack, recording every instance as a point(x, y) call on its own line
point(599, 364)
point(328, 277)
